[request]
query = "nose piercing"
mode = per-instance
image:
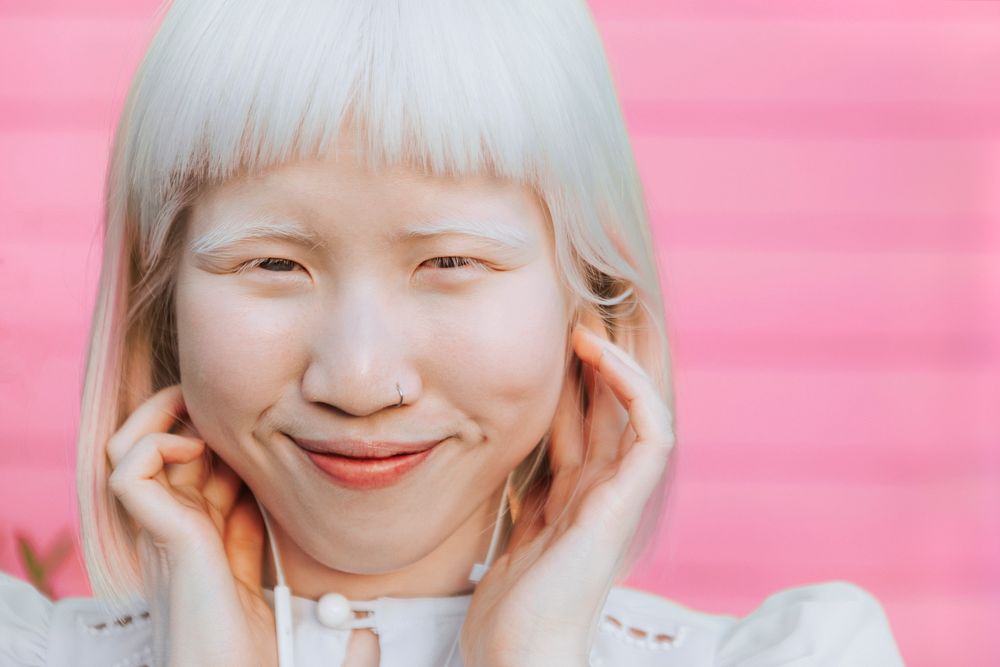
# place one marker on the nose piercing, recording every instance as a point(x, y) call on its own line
point(400, 395)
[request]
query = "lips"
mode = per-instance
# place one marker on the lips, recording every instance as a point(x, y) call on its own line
point(367, 474)
point(364, 449)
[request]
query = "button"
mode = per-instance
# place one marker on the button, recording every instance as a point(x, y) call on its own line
point(333, 610)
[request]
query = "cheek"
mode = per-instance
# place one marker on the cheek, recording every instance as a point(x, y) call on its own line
point(505, 359)
point(232, 358)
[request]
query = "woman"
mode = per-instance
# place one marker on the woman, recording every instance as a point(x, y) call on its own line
point(378, 370)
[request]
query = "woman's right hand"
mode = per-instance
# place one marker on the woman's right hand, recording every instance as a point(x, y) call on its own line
point(200, 536)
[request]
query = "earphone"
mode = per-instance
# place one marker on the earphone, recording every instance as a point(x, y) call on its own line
point(283, 597)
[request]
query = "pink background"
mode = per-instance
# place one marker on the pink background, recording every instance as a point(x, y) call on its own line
point(825, 194)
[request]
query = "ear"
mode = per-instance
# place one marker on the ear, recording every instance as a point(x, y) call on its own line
point(588, 316)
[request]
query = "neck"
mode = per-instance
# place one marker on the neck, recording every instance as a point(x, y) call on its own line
point(442, 572)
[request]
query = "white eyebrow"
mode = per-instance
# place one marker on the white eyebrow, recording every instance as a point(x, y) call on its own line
point(489, 230)
point(224, 237)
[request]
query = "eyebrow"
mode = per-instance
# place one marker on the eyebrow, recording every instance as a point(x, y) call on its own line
point(224, 238)
point(486, 229)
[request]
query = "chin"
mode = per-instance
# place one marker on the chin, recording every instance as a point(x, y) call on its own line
point(368, 552)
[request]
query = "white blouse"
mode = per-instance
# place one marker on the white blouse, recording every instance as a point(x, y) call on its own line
point(825, 624)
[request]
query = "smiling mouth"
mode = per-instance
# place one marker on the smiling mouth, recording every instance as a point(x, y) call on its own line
point(364, 449)
point(367, 473)
point(366, 458)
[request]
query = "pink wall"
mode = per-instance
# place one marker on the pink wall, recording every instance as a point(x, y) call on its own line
point(825, 192)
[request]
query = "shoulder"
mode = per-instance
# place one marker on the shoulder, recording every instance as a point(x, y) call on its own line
point(25, 616)
point(833, 622)
point(80, 632)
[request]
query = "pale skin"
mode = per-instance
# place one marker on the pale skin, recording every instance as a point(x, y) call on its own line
point(312, 344)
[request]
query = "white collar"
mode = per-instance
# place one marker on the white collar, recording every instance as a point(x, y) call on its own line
point(411, 630)
point(386, 609)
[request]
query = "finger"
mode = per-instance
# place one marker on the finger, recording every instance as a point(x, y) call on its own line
point(138, 483)
point(644, 461)
point(641, 469)
point(648, 416)
point(626, 441)
point(606, 416)
point(566, 444)
point(193, 474)
point(607, 420)
point(647, 413)
point(157, 414)
point(222, 488)
point(244, 541)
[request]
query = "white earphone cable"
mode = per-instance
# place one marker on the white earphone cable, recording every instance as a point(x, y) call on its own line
point(479, 569)
point(282, 596)
point(282, 602)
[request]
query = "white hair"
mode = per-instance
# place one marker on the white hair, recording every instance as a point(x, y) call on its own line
point(520, 89)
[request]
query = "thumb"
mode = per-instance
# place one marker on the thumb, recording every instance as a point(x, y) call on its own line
point(244, 541)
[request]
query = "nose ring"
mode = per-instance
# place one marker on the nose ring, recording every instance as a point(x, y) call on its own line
point(400, 395)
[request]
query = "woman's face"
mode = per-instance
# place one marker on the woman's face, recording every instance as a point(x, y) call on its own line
point(311, 343)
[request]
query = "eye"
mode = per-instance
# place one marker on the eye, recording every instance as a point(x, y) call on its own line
point(270, 264)
point(457, 262)
point(279, 265)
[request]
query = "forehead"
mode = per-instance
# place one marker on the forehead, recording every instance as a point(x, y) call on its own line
point(350, 165)
point(341, 192)
point(338, 180)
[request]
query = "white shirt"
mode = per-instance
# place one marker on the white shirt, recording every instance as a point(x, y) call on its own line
point(816, 625)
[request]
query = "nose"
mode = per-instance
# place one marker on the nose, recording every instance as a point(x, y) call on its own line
point(359, 350)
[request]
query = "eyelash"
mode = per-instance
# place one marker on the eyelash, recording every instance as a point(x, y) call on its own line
point(466, 262)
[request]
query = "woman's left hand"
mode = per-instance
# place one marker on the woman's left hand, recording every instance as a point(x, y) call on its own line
point(540, 602)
